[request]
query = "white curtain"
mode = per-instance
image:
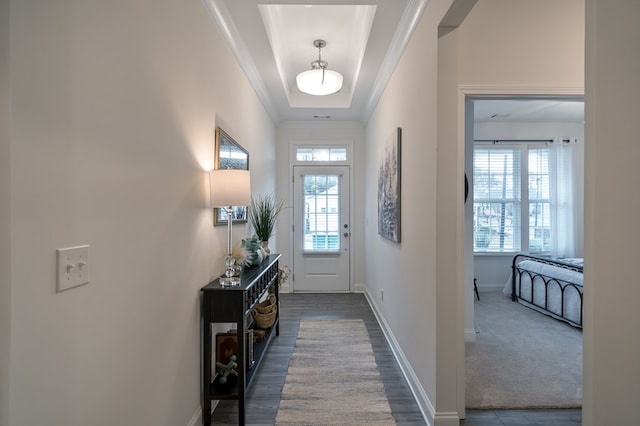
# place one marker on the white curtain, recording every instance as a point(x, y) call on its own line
point(563, 202)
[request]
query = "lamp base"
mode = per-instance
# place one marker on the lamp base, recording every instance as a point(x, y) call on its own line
point(229, 281)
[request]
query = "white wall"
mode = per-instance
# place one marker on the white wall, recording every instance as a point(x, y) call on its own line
point(114, 107)
point(407, 271)
point(5, 220)
point(611, 346)
point(493, 270)
point(516, 47)
point(325, 132)
point(451, 272)
point(523, 44)
point(502, 47)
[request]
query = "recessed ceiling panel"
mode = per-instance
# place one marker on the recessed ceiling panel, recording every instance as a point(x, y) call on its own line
point(273, 42)
point(292, 29)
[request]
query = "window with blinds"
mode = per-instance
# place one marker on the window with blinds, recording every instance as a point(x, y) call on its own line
point(511, 199)
point(321, 213)
point(496, 199)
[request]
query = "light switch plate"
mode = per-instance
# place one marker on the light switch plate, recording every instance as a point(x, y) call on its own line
point(73, 267)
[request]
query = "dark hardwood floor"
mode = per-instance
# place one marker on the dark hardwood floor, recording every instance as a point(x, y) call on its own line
point(263, 398)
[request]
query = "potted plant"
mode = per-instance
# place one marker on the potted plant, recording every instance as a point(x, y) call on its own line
point(263, 215)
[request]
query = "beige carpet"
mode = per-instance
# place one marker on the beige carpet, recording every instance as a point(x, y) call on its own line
point(333, 378)
point(522, 359)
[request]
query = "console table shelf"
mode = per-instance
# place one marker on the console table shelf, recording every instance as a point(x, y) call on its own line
point(234, 305)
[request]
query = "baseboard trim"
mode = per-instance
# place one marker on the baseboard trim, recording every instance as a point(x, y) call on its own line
point(359, 288)
point(470, 335)
point(446, 419)
point(490, 286)
point(196, 419)
point(425, 405)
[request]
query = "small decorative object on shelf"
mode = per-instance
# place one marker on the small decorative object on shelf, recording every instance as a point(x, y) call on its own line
point(253, 252)
point(226, 369)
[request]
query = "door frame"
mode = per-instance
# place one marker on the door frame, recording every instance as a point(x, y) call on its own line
point(466, 95)
point(348, 145)
point(345, 183)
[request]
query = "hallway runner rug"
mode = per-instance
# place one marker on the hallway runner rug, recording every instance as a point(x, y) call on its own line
point(333, 378)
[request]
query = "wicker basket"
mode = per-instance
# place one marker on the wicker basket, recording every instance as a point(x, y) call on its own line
point(267, 305)
point(265, 320)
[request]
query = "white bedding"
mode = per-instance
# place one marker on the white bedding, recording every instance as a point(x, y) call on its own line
point(564, 277)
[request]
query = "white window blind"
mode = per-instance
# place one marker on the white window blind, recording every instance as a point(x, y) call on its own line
point(539, 201)
point(497, 199)
point(513, 198)
point(321, 213)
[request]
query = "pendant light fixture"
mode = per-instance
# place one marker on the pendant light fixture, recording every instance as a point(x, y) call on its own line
point(319, 81)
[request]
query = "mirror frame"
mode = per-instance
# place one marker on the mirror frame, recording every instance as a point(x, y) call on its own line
point(225, 146)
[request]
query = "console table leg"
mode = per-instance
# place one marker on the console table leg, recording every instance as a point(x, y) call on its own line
point(206, 367)
point(242, 370)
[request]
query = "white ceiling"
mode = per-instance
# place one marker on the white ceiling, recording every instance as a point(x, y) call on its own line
point(273, 42)
point(532, 110)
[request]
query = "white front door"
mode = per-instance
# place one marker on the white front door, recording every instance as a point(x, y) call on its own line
point(321, 230)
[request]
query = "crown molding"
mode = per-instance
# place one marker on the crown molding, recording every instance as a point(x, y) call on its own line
point(220, 15)
point(408, 23)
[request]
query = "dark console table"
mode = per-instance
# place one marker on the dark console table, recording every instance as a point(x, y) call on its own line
point(234, 305)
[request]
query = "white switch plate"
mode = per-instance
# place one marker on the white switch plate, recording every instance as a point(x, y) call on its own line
point(73, 267)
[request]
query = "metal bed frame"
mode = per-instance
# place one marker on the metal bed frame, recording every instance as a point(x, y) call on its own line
point(548, 281)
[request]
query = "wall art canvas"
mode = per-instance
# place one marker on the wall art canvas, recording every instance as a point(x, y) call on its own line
point(389, 188)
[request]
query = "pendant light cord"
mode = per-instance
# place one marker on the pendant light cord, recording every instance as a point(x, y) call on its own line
point(320, 62)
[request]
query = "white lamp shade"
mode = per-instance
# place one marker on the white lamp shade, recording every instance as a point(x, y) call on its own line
point(311, 82)
point(230, 187)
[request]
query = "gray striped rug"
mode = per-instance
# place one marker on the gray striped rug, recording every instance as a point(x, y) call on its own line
point(333, 378)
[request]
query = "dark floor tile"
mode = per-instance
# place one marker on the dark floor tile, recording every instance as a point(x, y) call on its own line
point(263, 397)
point(481, 418)
point(540, 417)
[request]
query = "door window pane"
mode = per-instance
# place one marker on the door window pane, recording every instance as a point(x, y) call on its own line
point(321, 213)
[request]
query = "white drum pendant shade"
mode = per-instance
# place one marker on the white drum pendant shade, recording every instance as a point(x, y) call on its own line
point(319, 81)
point(314, 82)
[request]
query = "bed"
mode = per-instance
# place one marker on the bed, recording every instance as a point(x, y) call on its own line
point(551, 286)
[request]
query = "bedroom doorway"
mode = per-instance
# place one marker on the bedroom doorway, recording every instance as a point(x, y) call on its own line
point(511, 122)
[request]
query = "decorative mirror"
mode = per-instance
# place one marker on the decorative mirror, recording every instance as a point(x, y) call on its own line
point(229, 155)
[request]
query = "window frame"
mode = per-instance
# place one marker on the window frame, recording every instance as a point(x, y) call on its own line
point(320, 145)
point(525, 202)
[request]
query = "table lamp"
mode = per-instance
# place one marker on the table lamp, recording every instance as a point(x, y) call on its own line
point(230, 187)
